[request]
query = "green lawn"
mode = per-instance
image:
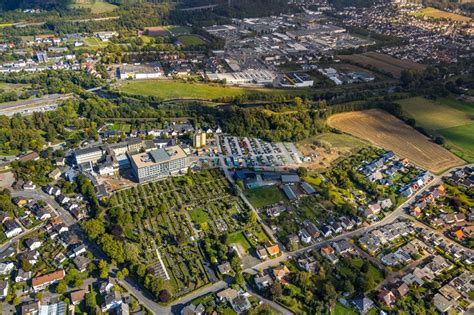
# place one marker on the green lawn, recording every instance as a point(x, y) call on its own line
point(171, 89)
point(439, 114)
point(94, 42)
point(121, 126)
point(239, 238)
point(342, 141)
point(460, 140)
point(448, 117)
point(373, 271)
point(191, 40)
point(340, 309)
point(97, 7)
point(177, 30)
point(5, 25)
point(264, 196)
point(199, 216)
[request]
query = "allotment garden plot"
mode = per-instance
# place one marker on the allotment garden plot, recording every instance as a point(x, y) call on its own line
point(169, 218)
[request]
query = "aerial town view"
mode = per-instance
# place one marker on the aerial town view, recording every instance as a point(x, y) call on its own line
point(207, 157)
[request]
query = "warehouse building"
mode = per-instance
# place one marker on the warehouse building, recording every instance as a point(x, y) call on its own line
point(141, 71)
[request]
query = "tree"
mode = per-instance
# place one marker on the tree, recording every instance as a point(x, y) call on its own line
point(25, 265)
point(94, 228)
point(61, 288)
point(439, 140)
point(91, 301)
point(239, 279)
point(365, 267)
point(302, 171)
point(252, 218)
point(276, 290)
point(164, 296)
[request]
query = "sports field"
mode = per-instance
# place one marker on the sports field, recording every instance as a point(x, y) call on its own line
point(439, 14)
point(170, 89)
point(177, 30)
point(389, 132)
point(191, 40)
point(451, 118)
point(96, 7)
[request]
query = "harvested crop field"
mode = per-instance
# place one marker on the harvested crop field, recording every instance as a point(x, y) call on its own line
point(389, 132)
point(383, 62)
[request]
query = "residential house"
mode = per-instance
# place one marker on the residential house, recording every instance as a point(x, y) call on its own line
point(280, 272)
point(192, 309)
point(308, 263)
point(342, 246)
point(11, 228)
point(241, 304)
point(328, 252)
point(304, 236)
point(263, 281)
point(325, 231)
point(33, 243)
point(41, 282)
point(441, 303)
point(224, 268)
point(77, 296)
point(6, 268)
point(81, 263)
point(261, 252)
point(292, 241)
point(22, 275)
point(387, 297)
point(112, 300)
point(363, 304)
point(272, 248)
point(227, 295)
point(3, 289)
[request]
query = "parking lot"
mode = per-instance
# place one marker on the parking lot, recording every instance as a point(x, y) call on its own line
point(252, 152)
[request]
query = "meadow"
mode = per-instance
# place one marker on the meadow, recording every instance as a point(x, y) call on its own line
point(96, 7)
point(264, 196)
point(171, 89)
point(191, 40)
point(448, 117)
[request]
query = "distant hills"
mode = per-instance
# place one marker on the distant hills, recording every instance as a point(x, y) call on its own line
point(36, 4)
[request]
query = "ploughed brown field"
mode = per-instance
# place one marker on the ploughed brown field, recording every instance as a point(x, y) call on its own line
point(389, 132)
point(383, 62)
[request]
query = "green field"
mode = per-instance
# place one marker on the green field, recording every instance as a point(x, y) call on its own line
point(8, 87)
point(264, 196)
point(97, 7)
point(177, 30)
point(168, 89)
point(239, 238)
point(460, 141)
point(342, 141)
point(199, 216)
point(340, 309)
point(5, 25)
point(121, 126)
point(191, 40)
point(94, 43)
point(439, 114)
point(448, 117)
